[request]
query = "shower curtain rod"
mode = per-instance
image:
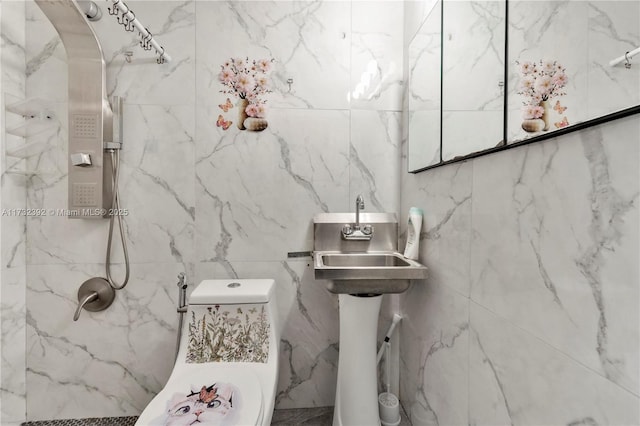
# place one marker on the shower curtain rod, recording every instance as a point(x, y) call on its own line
point(624, 57)
point(147, 39)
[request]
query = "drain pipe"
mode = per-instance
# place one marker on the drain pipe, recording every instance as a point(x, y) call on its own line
point(388, 403)
point(182, 307)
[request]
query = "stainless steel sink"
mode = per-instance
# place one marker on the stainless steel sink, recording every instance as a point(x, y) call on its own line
point(364, 260)
point(368, 272)
point(361, 266)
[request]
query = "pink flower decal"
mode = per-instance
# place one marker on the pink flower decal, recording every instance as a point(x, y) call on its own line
point(540, 81)
point(247, 79)
point(532, 111)
point(256, 110)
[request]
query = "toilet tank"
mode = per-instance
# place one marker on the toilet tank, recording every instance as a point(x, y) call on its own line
point(232, 291)
point(231, 320)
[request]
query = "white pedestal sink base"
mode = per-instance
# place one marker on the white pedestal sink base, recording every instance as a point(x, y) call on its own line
point(357, 389)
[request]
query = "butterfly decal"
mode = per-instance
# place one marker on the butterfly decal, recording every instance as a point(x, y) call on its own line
point(226, 106)
point(561, 124)
point(223, 123)
point(559, 108)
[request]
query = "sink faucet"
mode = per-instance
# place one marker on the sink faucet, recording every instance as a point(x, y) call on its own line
point(355, 231)
point(359, 206)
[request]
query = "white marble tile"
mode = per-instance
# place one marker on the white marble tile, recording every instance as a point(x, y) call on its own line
point(445, 196)
point(555, 243)
point(46, 59)
point(13, 364)
point(374, 159)
point(424, 139)
point(308, 314)
point(12, 48)
point(415, 12)
point(310, 42)
point(434, 355)
point(376, 55)
point(13, 203)
point(158, 182)
point(260, 190)
point(517, 379)
point(121, 356)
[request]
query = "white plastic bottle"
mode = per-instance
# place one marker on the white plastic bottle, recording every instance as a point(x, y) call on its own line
point(414, 226)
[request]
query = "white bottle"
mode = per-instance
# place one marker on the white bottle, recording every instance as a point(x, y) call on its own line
point(414, 226)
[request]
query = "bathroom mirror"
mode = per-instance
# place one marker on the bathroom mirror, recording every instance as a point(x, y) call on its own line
point(555, 75)
point(559, 63)
point(424, 92)
point(473, 46)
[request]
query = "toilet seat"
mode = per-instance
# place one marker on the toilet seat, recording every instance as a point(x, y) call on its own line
point(247, 399)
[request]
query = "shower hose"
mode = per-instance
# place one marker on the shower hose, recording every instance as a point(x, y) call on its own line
point(116, 215)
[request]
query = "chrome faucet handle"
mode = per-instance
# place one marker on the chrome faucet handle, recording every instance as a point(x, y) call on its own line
point(359, 206)
point(367, 229)
point(347, 229)
point(95, 294)
point(88, 299)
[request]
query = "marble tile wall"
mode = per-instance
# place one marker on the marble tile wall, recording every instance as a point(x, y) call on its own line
point(209, 202)
point(12, 226)
point(530, 315)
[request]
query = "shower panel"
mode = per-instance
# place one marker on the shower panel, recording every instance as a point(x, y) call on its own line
point(90, 115)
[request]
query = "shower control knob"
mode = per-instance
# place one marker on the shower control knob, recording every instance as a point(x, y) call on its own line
point(81, 159)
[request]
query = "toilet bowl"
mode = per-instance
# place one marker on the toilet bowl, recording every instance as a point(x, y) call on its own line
point(227, 366)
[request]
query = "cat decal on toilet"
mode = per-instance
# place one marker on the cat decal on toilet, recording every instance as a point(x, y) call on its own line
point(211, 405)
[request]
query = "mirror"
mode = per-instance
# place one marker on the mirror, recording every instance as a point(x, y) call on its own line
point(473, 76)
point(559, 54)
point(424, 92)
point(558, 74)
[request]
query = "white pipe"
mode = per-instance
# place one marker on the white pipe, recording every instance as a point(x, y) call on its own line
point(387, 367)
point(126, 12)
point(624, 57)
point(396, 319)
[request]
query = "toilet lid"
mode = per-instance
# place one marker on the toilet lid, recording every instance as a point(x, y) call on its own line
point(207, 396)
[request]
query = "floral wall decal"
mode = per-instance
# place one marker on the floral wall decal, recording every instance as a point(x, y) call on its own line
point(228, 333)
point(539, 83)
point(247, 80)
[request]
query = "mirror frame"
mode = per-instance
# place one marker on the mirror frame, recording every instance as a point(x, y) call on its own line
point(505, 145)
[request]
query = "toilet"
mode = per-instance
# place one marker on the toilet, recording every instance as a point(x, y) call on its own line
point(227, 366)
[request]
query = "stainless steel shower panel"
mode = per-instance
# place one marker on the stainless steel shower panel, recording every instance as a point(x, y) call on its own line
point(90, 116)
